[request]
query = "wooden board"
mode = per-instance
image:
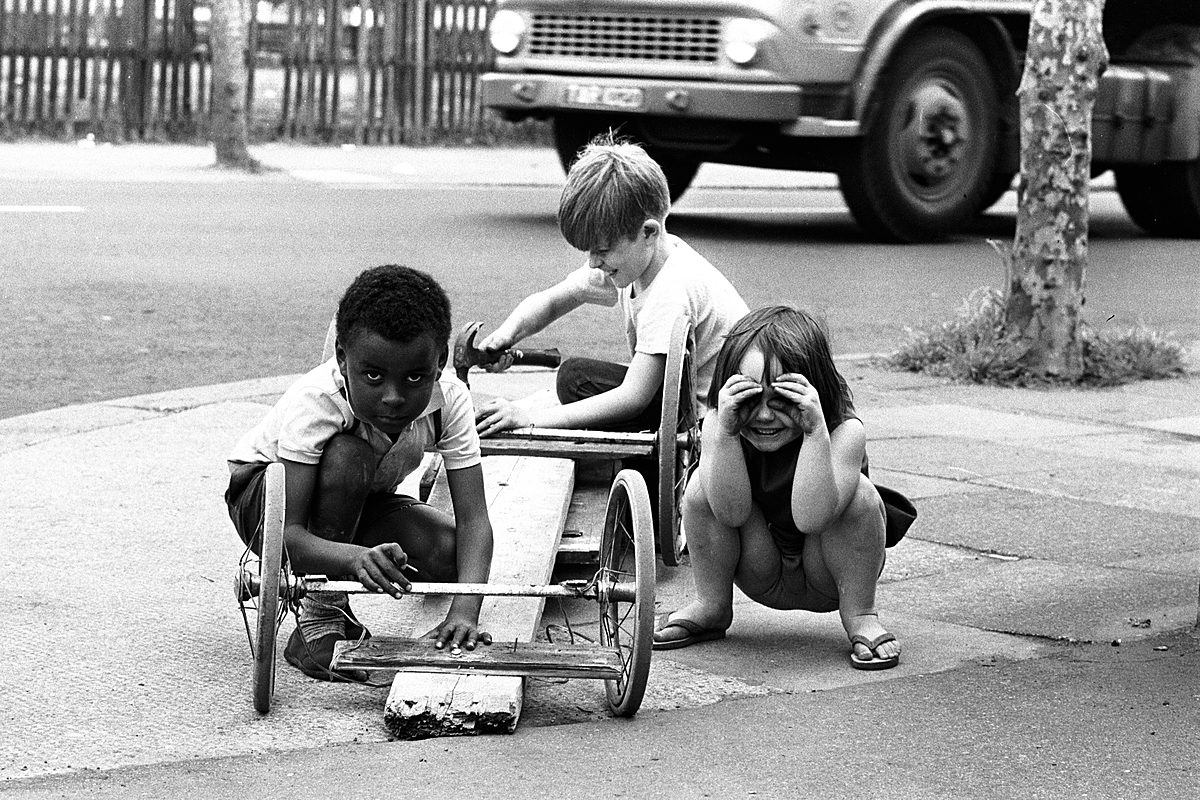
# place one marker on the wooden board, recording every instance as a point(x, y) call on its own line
point(544, 659)
point(527, 502)
point(567, 443)
point(585, 518)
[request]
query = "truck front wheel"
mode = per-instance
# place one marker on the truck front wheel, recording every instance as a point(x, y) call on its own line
point(1164, 200)
point(925, 163)
point(572, 133)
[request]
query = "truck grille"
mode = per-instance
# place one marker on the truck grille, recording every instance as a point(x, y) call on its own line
point(694, 40)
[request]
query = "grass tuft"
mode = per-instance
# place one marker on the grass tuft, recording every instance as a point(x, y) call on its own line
point(973, 347)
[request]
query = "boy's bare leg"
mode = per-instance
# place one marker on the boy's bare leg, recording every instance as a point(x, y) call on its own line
point(845, 561)
point(347, 467)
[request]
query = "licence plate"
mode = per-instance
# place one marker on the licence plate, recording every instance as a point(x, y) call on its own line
point(626, 98)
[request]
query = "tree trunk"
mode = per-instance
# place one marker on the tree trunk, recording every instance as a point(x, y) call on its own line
point(227, 119)
point(1063, 62)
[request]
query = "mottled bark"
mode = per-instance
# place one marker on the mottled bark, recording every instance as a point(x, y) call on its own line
point(227, 120)
point(1063, 61)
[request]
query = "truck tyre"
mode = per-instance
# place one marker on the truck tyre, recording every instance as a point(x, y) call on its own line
point(572, 133)
point(926, 161)
point(1164, 199)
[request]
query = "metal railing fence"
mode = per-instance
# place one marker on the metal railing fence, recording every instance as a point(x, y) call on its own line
point(320, 70)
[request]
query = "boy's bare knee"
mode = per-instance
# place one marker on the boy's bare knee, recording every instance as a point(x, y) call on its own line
point(440, 562)
point(347, 465)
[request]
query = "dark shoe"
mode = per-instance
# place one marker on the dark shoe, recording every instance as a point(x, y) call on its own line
point(314, 658)
point(693, 633)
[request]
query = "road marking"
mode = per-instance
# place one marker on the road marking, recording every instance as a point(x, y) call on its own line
point(335, 176)
point(803, 210)
point(42, 209)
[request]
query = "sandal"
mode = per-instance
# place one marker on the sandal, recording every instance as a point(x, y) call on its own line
point(875, 662)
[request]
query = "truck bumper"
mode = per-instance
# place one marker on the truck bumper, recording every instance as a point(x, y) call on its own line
point(534, 94)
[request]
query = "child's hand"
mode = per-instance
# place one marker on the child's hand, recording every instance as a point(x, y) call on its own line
point(803, 403)
point(736, 402)
point(500, 415)
point(459, 632)
point(379, 569)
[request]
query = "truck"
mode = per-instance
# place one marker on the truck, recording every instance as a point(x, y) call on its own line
point(911, 103)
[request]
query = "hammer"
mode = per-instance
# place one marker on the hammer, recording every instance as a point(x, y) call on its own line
point(467, 355)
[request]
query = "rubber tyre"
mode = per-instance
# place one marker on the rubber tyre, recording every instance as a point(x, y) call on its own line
point(909, 182)
point(1163, 200)
point(573, 132)
point(270, 573)
point(627, 556)
point(678, 440)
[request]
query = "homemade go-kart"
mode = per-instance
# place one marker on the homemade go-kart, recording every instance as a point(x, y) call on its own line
point(675, 446)
point(622, 586)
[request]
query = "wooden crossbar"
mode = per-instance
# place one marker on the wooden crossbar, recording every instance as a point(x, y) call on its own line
point(564, 443)
point(542, 659)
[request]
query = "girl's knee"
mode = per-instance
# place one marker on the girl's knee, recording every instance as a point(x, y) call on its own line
point(865, 512)
point(695, 502)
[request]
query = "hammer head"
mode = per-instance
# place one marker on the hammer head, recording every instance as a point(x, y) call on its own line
point(466, 355)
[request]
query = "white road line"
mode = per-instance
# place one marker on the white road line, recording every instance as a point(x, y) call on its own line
point(42, 209)
point(335, 176)
point(805, 210)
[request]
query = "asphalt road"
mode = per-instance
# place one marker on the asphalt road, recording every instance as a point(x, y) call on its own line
point(131, 288)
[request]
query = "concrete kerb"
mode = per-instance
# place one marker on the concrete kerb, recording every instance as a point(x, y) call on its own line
point(350, 164)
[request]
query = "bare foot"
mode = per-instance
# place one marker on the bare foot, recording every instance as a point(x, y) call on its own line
point(867, 626)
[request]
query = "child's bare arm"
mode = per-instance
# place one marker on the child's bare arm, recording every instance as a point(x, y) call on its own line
point(533, 314)
point(827, 471)
point(377, 568)
point(642, 382)
point(722, 470)
point(474, 553)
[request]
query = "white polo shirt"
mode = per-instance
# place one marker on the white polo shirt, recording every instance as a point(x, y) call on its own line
point(315, 408)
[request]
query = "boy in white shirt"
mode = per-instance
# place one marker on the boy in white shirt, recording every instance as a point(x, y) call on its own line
point(614, 206)
point(347, 434)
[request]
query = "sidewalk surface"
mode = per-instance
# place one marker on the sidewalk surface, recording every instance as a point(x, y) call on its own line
point(1044, 599)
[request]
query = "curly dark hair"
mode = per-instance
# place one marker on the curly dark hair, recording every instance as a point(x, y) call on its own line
point(397, 302)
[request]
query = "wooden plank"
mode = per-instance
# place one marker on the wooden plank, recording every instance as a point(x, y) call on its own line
point(585, 520)
point(527, 501)
point(543, 659)
point(568, 443)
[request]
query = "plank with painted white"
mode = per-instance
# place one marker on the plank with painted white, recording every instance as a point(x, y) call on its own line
point(527, 502)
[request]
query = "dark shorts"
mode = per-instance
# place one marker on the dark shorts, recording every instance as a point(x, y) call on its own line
point(246, 500)
point(580, 378)
point(792, 590)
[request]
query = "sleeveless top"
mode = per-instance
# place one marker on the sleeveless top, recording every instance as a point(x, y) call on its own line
point(771, 476)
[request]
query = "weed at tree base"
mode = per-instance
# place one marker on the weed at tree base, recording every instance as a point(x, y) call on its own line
point(973, 346)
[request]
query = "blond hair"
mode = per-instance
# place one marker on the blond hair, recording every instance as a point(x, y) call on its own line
point(612, 188)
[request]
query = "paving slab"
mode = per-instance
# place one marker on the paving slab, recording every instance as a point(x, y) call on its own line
point(970, 422)
point(957, 458)
point(1049, 600)
point(1053, 528)
point(1157, 489)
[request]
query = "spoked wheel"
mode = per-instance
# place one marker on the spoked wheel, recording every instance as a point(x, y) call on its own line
point(257, 590)
point(626, 581)
point(678, 439)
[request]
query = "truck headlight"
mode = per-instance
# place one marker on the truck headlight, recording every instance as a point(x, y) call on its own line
point(743, 38)
point(505, 31)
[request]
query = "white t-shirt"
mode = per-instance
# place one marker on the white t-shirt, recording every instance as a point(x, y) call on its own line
point(315, 408)
point(686, 284)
